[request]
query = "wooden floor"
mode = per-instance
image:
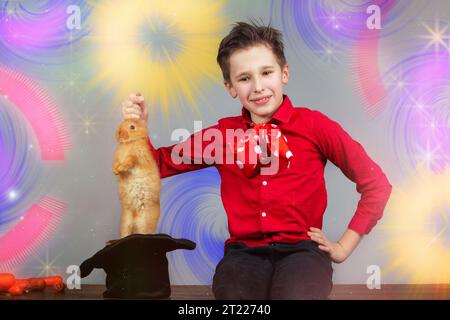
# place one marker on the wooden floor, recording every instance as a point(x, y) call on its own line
point(340, 292)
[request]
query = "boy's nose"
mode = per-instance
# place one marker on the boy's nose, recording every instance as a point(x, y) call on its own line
point(257, 85)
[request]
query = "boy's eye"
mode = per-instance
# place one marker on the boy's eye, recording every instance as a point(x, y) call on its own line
point(132, 127)
point(267, 72)
point(243, 79)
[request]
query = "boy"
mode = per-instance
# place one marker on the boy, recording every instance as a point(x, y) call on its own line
point(276, 248)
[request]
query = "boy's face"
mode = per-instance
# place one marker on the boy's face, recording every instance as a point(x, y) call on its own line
point(257, 79)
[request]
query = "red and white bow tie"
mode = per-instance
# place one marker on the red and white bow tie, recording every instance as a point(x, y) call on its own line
point(255, 148)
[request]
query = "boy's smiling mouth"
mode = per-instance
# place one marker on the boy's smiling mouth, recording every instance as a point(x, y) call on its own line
point(261, 100)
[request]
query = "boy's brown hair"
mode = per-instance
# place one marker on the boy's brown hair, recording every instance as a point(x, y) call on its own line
point(244, 35)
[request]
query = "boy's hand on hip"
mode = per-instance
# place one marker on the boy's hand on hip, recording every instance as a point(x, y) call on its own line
point(135, 108)
point(337, 253)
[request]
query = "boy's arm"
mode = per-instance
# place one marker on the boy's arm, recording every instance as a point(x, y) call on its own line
point(347, 154)
point(375, 189)
point(185, 156)
point(178, 158)
point(349, 241)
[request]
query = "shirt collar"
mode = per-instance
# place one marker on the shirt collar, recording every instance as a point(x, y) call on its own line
point(283, 113)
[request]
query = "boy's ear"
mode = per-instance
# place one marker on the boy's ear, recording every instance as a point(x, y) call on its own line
point(285, 74)
point(230, 89)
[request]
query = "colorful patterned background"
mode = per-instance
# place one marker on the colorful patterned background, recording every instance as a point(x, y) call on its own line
point(65, 67)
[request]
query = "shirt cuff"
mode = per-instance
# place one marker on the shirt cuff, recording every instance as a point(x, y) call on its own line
point(362, 223)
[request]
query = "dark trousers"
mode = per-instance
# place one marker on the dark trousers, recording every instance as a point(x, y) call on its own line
point(277, 271)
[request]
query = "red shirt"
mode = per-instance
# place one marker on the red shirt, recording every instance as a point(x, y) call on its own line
point(282, 207)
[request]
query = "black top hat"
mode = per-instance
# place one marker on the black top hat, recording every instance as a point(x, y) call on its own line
point(136, 266)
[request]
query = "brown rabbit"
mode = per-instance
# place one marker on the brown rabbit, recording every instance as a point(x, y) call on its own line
point(139, 179)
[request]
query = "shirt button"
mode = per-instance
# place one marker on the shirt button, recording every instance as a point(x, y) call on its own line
point(264, 214)
point(264, 183)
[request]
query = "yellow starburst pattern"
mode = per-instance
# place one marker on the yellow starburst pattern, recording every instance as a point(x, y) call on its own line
point(417, 219)
point(165, 50)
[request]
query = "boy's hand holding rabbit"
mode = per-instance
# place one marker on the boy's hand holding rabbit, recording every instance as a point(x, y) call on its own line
point(135, 108)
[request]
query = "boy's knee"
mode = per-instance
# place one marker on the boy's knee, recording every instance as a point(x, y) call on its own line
point(230, 282)
point(225, 286)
